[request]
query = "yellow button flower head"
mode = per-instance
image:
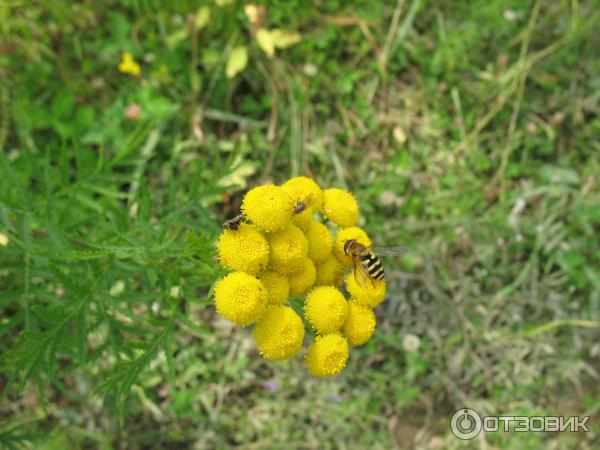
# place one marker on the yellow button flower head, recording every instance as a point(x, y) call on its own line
point(340, 207)
point(241, 298)
point(366, 295)
point(302, 220)
point(319, 241)
point(128, 65)
point(245, 250)
point(269, 207)
point(277, 286)
point(279, 333)
point(289, 248)
point(360, 323)
point(345, 234)
point(330, 272)
point(327, 355)
point(303, 279)
point(304, 189)
point(326, 309)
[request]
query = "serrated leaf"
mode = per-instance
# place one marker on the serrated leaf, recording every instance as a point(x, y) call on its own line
point(119, 383)
point(265, 41)
point(192, 326)
point(80, 333)
point(36, 350)
point(202, 17)
point(169, 351)
point(284, 38)
point(237, 61)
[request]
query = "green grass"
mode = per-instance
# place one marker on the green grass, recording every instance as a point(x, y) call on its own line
point(468, 129)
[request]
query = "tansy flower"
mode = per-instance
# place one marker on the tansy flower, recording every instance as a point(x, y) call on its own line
point(269, 207)
point(282, 250)
point(277, 286)
point(128, 65)
point(319, 241)
point(360, 323)
point(330, 272)
point(368, 294)
point(302, 221)
point(241, 298)
point(279, 333)
point(289, 247)
point(345, 234)
point(327, 355)
point(305, 190)
point(340, 207)
point(302, 279)
point(302, 188)
point(244, 249)
point(326, 309)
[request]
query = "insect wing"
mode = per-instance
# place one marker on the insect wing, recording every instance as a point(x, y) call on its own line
point(304, 204)
point(308, 200)
point(235, 222)
point(360, 273)
point(397, 250)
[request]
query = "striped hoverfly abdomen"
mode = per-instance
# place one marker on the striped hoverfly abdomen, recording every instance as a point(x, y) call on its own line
point(367, 265)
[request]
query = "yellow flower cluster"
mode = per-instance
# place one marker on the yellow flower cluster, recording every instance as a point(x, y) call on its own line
point(128, 65)
point(290, 243)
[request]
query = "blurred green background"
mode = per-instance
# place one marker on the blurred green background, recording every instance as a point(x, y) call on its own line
point(469, 130)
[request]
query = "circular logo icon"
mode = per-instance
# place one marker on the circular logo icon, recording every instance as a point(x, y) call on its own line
point(465, 423)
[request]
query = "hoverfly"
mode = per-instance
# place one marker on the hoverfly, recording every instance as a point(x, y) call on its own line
point(233, 224)
point(367, 265)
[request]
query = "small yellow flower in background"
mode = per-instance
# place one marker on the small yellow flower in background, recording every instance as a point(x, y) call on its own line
point(279, 248)
point(279, 333)
point(330, 272)
point(240, 298)
point(269, 207)
point(327, 355)
point(303, 279)
point(360, 323)
point(346, 234)
point(128, 65)
point(325, 309)
point(371, 294)
point(4, 240)
point(340, 207)
point(244, 249)
point(319, 241)
point(289, 248)
point(277, 286)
